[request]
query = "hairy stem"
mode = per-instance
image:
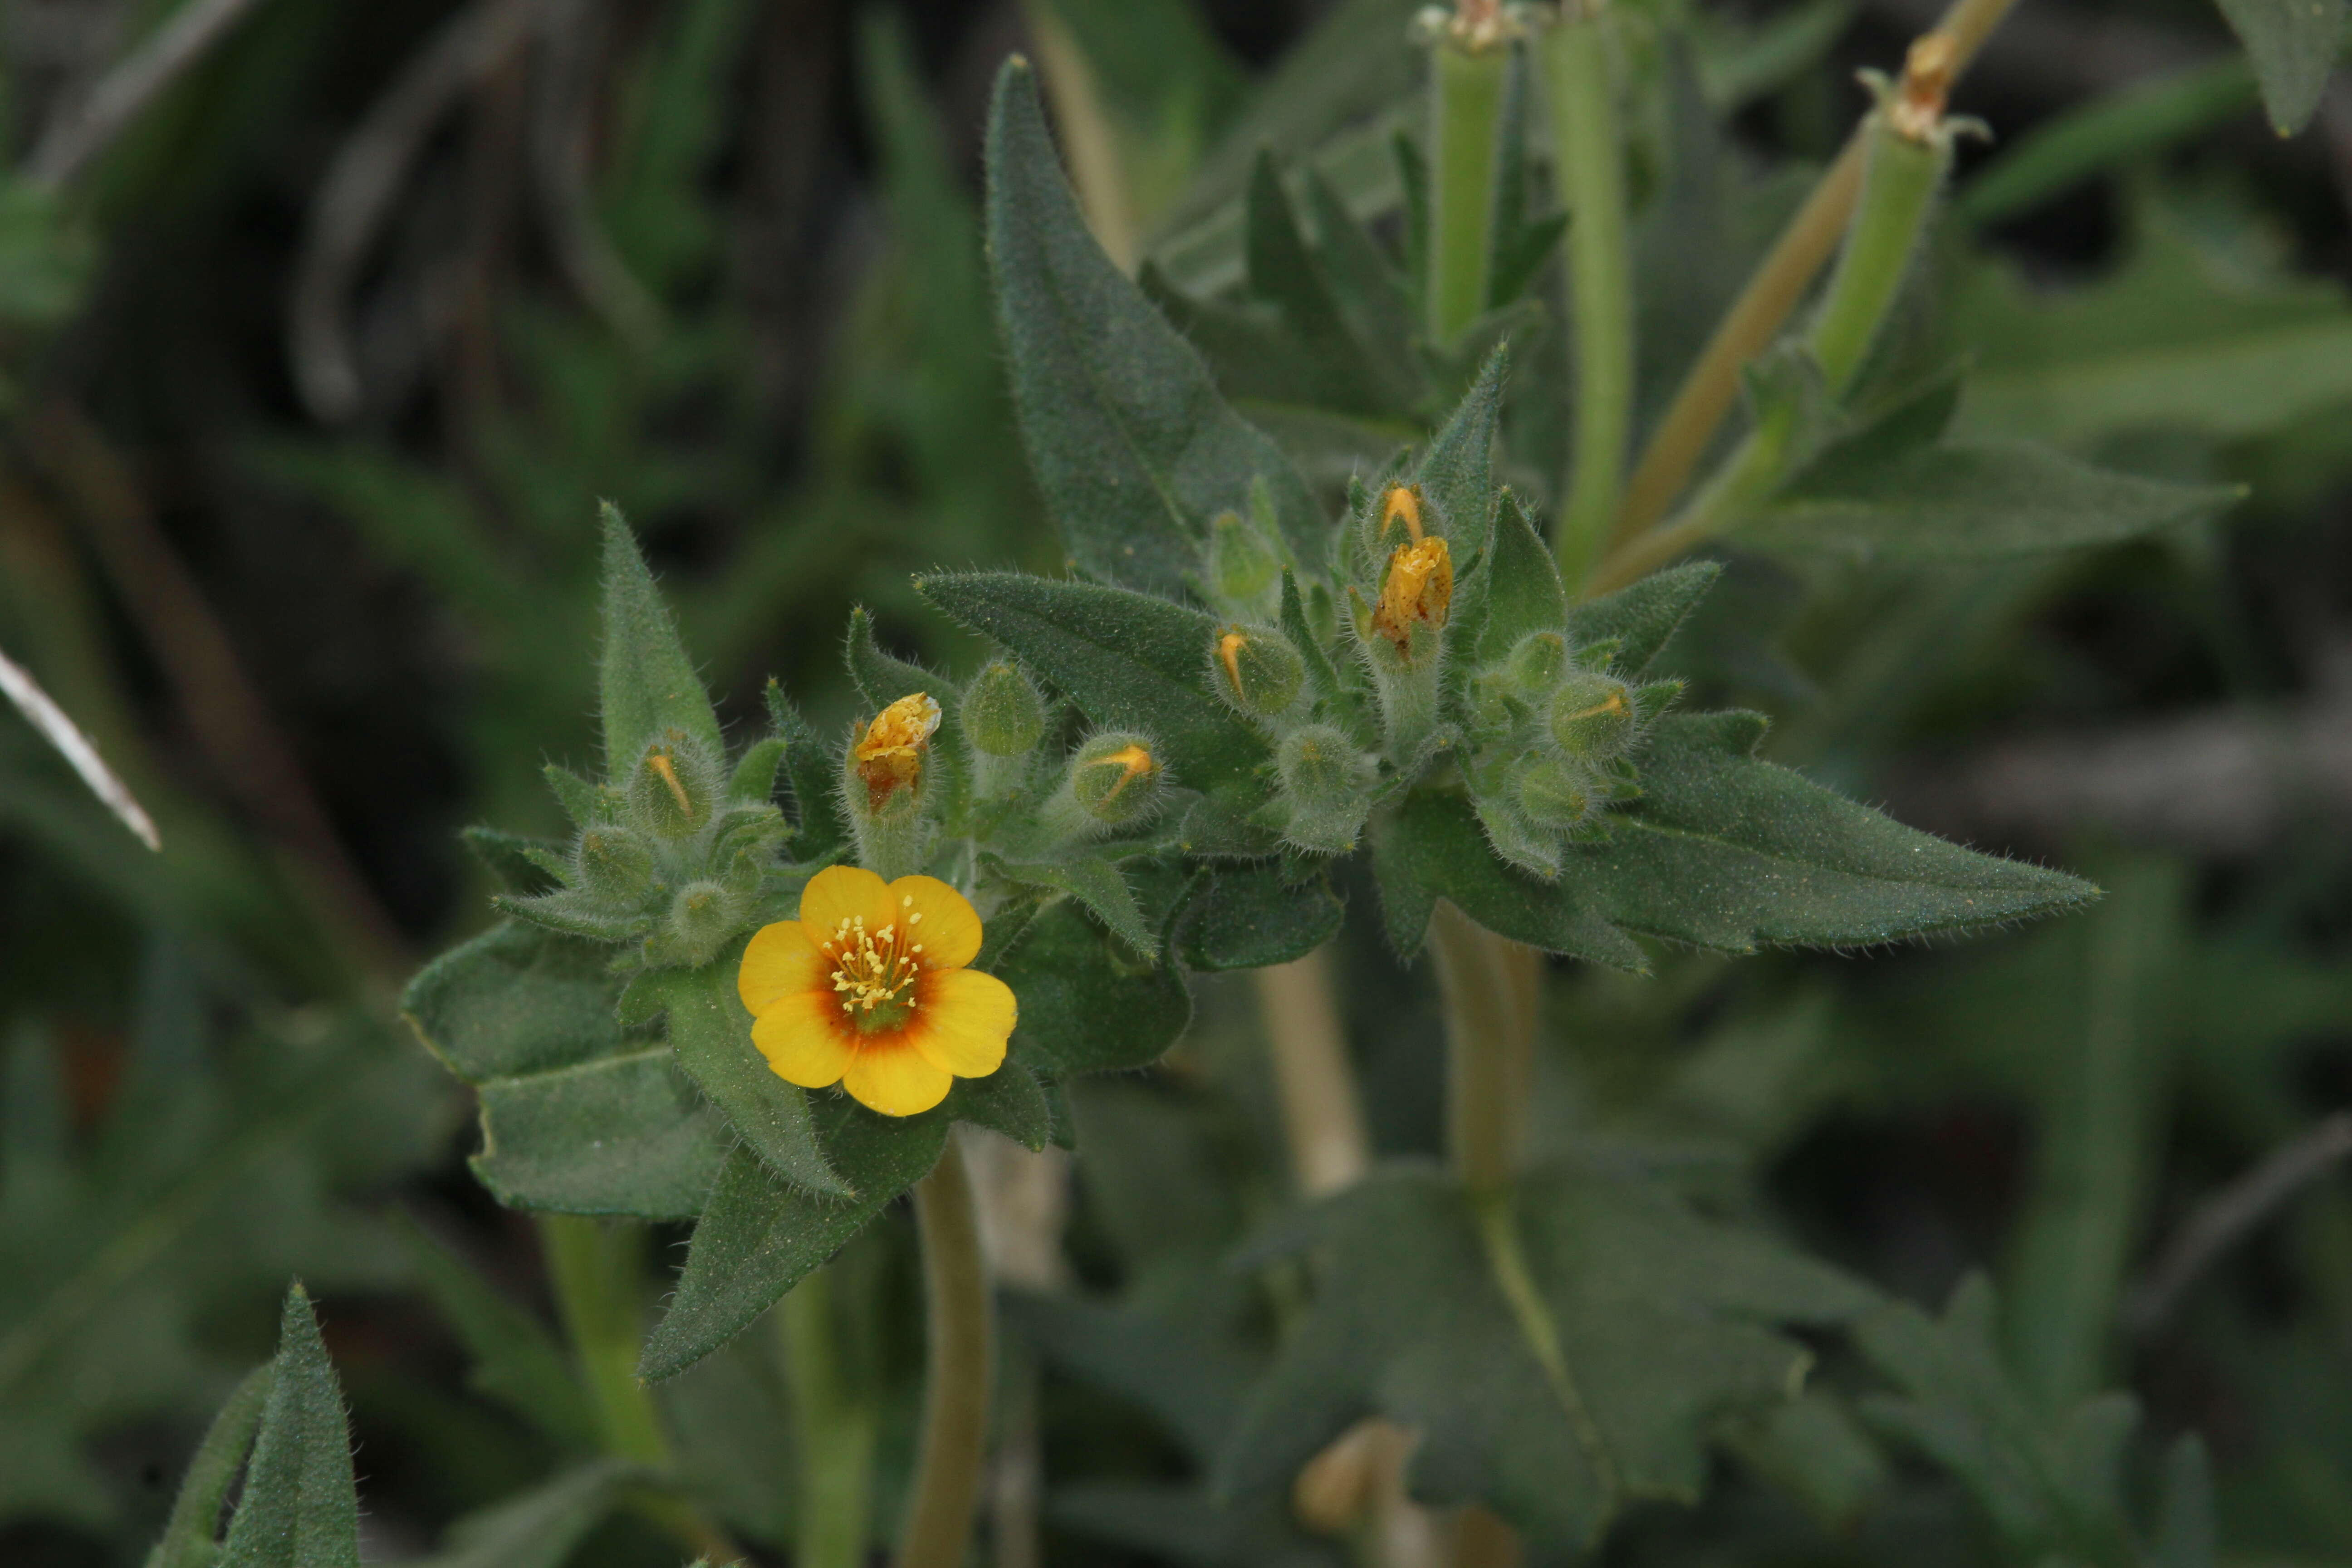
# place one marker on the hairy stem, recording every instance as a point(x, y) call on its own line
point(834, 1420)
point(955, 1401)
point(1466, 100)
point(594, 1265)
point(1773, 290)
point(1590, 167)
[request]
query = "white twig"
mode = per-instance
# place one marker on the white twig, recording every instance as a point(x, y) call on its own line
point(2222, 1221)
point(82, 132)
point(62, 732)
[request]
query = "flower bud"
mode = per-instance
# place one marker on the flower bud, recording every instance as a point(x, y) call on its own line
point(1243, 569)
point(1116, 779)
point(1327, 783)
point(674, 788)
point(1554, 794)
point(1592, 718)
point(1002, 715)
point(1537, 665)
point(701, 918)
point(1401, 506)
point(887, 760)
point(615, 863)
point(1256, 668)
point(1417, 591)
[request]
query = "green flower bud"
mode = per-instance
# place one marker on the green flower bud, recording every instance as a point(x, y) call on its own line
point(1256, 668)
point(1593, 717)
point(701, 918)
point(675, 785)
point(1116, 779)
point(1243, 569)
point(1555, 794)
point(1327, 781)
point(1003, 714)
point(1536, 663)
point(615, 864)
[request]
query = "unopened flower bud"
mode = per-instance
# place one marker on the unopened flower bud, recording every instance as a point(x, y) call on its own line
point(887, 760)
point(1554, 794)
point(1418, 591)
point(675, 787)
point(1538, 663)
point(1400, 508)
point(1116, 779)
point(701, 918)
point(1002, 715)
point(1591, 716)
point(1326, 781)
point(1243, 569)
point(1256, 668)
point(615, 863)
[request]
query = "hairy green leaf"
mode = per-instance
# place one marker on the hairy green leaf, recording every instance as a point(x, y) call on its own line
point(1132, 446)
point(1095, 882)
point(191, 1538)
point(1639, 618)
point(1249, 916)
point(1086, 1004)
point(2292, 44)
point(1456, 474)
point(299, 1508)
point(1517, 590)
point(649, 686)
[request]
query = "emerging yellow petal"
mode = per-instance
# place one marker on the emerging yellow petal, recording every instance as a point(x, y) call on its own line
point(890, 754)
point(1419, 589)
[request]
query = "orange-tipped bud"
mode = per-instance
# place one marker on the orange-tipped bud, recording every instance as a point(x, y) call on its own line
point(890, 754)
point(1418, 590)
point(1402, 504)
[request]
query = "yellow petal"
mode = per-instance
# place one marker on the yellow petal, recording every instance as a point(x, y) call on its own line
point(845, 892)
point(780, 960)
point(963, 1022)
point(889, 1075)
point(803, 1043)
point(950, 927)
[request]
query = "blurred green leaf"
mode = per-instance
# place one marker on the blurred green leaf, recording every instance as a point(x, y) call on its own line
point(540, 1528)
point(2292, 44)
point(516, 1360)
point(1556, 1394)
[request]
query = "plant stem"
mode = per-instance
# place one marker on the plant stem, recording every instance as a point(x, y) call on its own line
point(1315, 1085)
point(834, 1423)
point(1779, 282)
point(1900, 180)
point(1466, 100)
point(1589, 166)
point(955, 1401)
point(1489, 983)
point(594, 1265)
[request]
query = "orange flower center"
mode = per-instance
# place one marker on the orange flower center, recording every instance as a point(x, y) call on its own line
point(874, 973)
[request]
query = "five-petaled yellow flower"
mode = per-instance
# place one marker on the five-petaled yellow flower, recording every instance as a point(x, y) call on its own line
point(869, 989)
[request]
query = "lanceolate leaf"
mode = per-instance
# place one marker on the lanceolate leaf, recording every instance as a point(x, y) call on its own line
point(1723, 851)
point(516, 1359)
point(1554, 1386)
point(760, 1235)
point(1640, 619)
point(649, 684)
point(882, 680)
point(540, 1528)
point(809, 769)
point(299, 1507)
point(1126, 658)
point(1247, 916)
point(1454, 474)
point(1095, 882)
point(1283, 272)
point(578, 1115)
point(1518, 588)
point(1133, 448)
point(1973, 500)
point(2292, 44)
point(191, 1538)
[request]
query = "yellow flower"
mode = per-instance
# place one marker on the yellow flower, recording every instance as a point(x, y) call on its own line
point(869, 989)
point(891, 751)
point(1419, 587)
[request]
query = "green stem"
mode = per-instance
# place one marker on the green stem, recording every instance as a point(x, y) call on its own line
point(1590, 164)
point(835, 1422)
point(1490, 988)
point(955, 1401)
point(1900, 179)
point(596, 1268)
point(1465, 97)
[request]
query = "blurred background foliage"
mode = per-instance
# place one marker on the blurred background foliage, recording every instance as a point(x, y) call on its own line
point(315, 371)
